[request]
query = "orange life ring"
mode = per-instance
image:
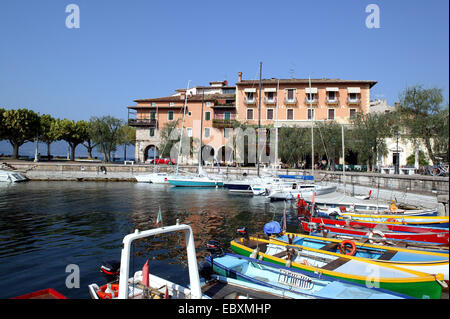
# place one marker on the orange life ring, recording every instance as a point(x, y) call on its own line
point(103, 295)
point(343, 248)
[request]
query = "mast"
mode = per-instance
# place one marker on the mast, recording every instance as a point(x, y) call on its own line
point(259, 116)
point(276, 131)
point(312, 128)
point(182, 126)
point(154, 149)
point(201, 134)
point(343, 157)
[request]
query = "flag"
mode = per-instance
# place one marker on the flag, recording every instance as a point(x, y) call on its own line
point(284, 217)
point(146, 275)
point(159, 218)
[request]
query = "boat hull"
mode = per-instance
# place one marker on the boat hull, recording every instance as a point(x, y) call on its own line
point(423, 286)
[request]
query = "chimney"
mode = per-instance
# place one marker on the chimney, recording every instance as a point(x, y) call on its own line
point(240, 77)
point(182, 94)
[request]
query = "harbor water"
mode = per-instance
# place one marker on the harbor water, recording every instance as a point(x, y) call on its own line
point(56, 234)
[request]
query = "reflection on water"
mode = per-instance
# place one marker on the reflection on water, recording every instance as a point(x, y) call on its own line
point(45, 226)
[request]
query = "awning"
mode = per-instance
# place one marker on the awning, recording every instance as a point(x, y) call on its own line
point(354, 90)
point(332, 89)
point(311, 90)
point(251, 90)
point(270, 89)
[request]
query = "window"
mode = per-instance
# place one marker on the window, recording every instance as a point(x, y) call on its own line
point(227, 116)
point(290, 114)
point(226, 132)
point(332, 96)
point(171, 104)
point(290, 95)
point(310, 114)
point(310, 97)
point(207, 116)
point(352, 97)
point(170, 115)
point(352, 113)
point(250, 114)
point(207, 132)
point(250, 96)
point(152, 131)
point(189, 131)
point(270, 96)
point(152, 115)
point(270, 114)
point(208, 103)
point(331, 114)
point(189, 113)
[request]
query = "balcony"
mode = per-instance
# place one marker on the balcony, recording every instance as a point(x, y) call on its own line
point(290, 101)
point(356, 101)
point(313, 101)
point(250, 102)
point(268, 101)
point(143, 122)
point(334, 101)
point(221, 123)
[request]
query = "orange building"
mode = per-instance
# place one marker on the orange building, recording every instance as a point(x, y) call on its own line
point(285, 102)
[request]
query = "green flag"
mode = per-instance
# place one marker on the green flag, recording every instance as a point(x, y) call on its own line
point(159, 218)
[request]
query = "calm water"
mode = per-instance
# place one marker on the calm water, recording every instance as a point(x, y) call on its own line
point(46, 226)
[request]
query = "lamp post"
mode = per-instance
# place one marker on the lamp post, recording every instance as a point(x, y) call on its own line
point(397, 163)
point(36, 149)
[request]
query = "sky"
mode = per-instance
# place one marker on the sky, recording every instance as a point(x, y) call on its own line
point(126, 50)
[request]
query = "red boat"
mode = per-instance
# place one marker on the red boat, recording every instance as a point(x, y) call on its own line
point(48, 293)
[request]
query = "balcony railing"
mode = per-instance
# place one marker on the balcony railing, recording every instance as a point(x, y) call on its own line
point(313, 101)
point(334, 101)
point(143, 122)
point(250, 101)
point(289, 101)
point(221, 123)
point(356, 101)
point(268, 101)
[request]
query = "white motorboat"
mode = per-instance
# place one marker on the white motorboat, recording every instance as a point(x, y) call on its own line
point(155, 178)
point(12, 177)
point(294, 189)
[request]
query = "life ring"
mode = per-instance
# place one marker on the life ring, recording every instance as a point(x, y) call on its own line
point(380, 238)
point(343, 247)
point(103, 295)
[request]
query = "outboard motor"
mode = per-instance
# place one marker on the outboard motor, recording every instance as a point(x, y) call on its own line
point(243, 232)
point(110, 270)
point(214, 248)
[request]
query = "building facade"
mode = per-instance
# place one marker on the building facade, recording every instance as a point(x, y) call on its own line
point(283, 102)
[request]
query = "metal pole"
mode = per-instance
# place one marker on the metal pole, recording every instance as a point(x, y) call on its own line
point(259, 116)
point(182, 126)
point(312, 128)
point(343, 157)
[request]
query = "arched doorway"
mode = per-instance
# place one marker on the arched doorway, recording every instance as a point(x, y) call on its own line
point(225, 155)
point(150, 152)
point(207, 154)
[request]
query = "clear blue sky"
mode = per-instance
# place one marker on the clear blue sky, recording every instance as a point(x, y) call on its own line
point(126, 50)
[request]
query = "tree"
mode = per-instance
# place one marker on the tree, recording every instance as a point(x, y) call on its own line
point(368, 135)
point(294, 144)
point(106, 132)
point(48, 132)
point(128, 137)
point(89, 142)
point(421, 113)
point(74, 133)
point(19, 126)
point(328, 140)
point(2, 127)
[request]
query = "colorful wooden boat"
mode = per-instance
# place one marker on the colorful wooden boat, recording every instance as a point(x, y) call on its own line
point(353, 269)
point(425, 221)
point(293, 282)
point(370, 231)
point(427, 262)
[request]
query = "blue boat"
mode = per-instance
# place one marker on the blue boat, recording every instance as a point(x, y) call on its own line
point(305, 284)
point(194, 182)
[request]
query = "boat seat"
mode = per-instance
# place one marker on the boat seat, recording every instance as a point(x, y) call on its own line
point(330, 246)
point(335, 263)
point(387, 255)
point(281, 254)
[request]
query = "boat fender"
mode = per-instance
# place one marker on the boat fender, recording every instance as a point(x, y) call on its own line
point(378, 235)
point(343, 247)
point(107, 291)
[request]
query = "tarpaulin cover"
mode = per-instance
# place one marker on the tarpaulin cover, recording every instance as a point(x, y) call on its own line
point(272, 228)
